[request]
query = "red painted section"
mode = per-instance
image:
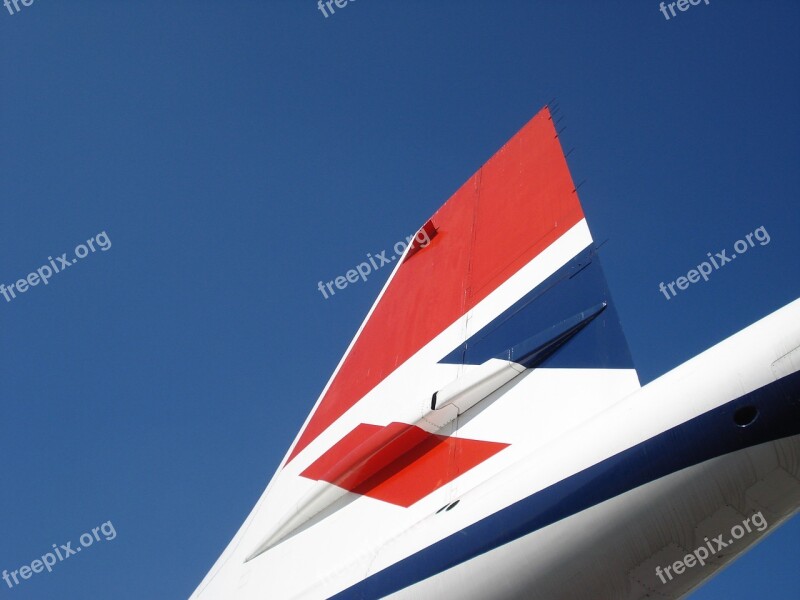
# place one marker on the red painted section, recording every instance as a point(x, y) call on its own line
point(399, 463)
point(515, 206)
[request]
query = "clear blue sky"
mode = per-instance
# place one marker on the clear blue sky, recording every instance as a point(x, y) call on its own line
point(236, 153)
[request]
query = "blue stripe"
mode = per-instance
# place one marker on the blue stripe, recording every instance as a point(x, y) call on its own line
point(568, 291)
point(707, 436)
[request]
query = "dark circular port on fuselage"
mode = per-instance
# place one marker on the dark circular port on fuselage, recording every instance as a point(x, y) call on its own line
point(745, 416)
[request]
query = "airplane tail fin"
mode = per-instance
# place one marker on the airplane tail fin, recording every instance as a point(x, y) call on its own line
point(506, 257)
point(495, 334)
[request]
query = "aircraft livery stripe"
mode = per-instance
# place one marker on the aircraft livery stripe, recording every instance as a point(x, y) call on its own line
point(707, 436)
point(579, 284)
point(399, 463)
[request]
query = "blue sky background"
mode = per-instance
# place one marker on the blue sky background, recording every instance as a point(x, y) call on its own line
point(236, 153)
